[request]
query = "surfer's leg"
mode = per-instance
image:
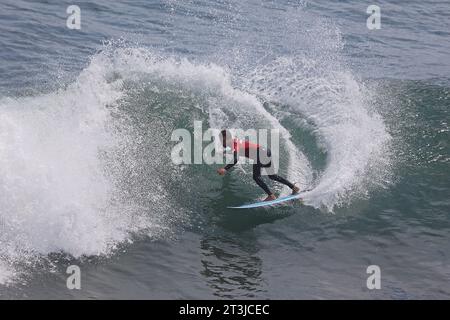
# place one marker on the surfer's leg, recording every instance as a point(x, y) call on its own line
point(269, 169)
point(281, 180)
point(259, 181)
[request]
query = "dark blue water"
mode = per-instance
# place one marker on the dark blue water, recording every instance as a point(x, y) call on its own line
point(86, 176)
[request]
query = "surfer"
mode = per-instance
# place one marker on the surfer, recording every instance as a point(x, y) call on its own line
point(261, 157)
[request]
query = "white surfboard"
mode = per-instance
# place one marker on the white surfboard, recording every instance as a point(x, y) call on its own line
point(269, 203)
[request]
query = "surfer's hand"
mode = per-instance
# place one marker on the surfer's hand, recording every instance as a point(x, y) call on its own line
point(221, 171)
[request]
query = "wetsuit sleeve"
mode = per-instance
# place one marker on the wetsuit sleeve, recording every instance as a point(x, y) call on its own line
point(235, 160)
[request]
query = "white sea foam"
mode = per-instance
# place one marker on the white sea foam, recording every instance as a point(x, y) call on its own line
point(354, 136)
point(55, 191)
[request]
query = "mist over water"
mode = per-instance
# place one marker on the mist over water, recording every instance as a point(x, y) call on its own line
point(86, 175)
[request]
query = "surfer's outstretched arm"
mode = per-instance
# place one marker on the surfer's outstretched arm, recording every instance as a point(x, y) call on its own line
point(235, 160)
point(224, 170)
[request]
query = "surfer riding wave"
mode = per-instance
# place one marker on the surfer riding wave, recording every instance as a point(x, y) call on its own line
point(262, 158)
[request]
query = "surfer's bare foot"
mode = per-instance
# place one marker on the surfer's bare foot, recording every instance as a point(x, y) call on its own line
point(295, 190)
point(270, 197)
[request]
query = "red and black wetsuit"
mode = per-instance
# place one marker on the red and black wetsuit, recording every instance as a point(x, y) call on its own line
point(262, 159)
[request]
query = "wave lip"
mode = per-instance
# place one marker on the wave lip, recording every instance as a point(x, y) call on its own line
point(352, 134)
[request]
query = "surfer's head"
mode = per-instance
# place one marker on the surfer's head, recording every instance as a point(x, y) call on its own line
point(226, 137)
